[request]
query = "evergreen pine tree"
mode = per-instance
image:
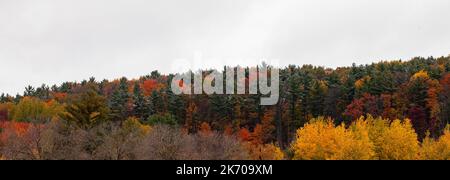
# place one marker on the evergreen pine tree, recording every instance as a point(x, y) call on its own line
point(119, 101)
point(29, 91)
point(316, 98)
point(3, 98)
point(176, 106)
point(157, 102)
point(141, 105)
point(87, 111)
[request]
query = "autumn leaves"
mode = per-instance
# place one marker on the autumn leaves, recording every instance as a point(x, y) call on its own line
point(366, 139)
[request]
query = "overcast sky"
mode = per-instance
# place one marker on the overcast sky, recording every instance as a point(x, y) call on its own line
point(52, 41)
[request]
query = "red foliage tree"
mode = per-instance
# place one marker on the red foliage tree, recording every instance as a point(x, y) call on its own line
point(388, 109)
point(370, 104)
point(18, 128)
point(419, 120)
point(3, 114)
point(355, 109)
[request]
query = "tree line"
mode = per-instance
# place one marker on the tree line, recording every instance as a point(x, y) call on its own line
point(414, 91)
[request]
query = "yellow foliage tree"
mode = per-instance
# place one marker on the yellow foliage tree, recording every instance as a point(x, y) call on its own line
point(133, 125)
point(264, 152)
point(361, 147)
point(361, 82)
point(398, 141)
point(436, 149)
point(365, 139)
point(321, 140)
point(421, 75)
point(29, 109)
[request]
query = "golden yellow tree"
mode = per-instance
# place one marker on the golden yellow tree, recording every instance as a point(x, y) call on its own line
point(361, 147)
point(396, 142)
point(264, 151)
point(133, 124)
point(321, 140)
point(436, 149)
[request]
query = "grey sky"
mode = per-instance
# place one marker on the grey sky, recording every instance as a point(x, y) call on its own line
point(51, 41)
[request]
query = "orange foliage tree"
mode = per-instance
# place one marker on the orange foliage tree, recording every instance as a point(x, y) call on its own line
point(205, 129)
point(151, 85)
point(263, 133)
point(244, 134)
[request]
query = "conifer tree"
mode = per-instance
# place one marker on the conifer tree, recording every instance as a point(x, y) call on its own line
point(87, 110)
point(157, 102)
point(119, 101)
point(176, 106)
point(141, 105)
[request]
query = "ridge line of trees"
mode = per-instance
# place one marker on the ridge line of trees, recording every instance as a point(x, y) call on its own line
point(418, 90)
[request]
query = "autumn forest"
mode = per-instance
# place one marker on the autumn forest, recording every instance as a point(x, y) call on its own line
point(390, 110)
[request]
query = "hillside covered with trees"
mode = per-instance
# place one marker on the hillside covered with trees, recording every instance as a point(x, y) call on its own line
point(385, 110)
